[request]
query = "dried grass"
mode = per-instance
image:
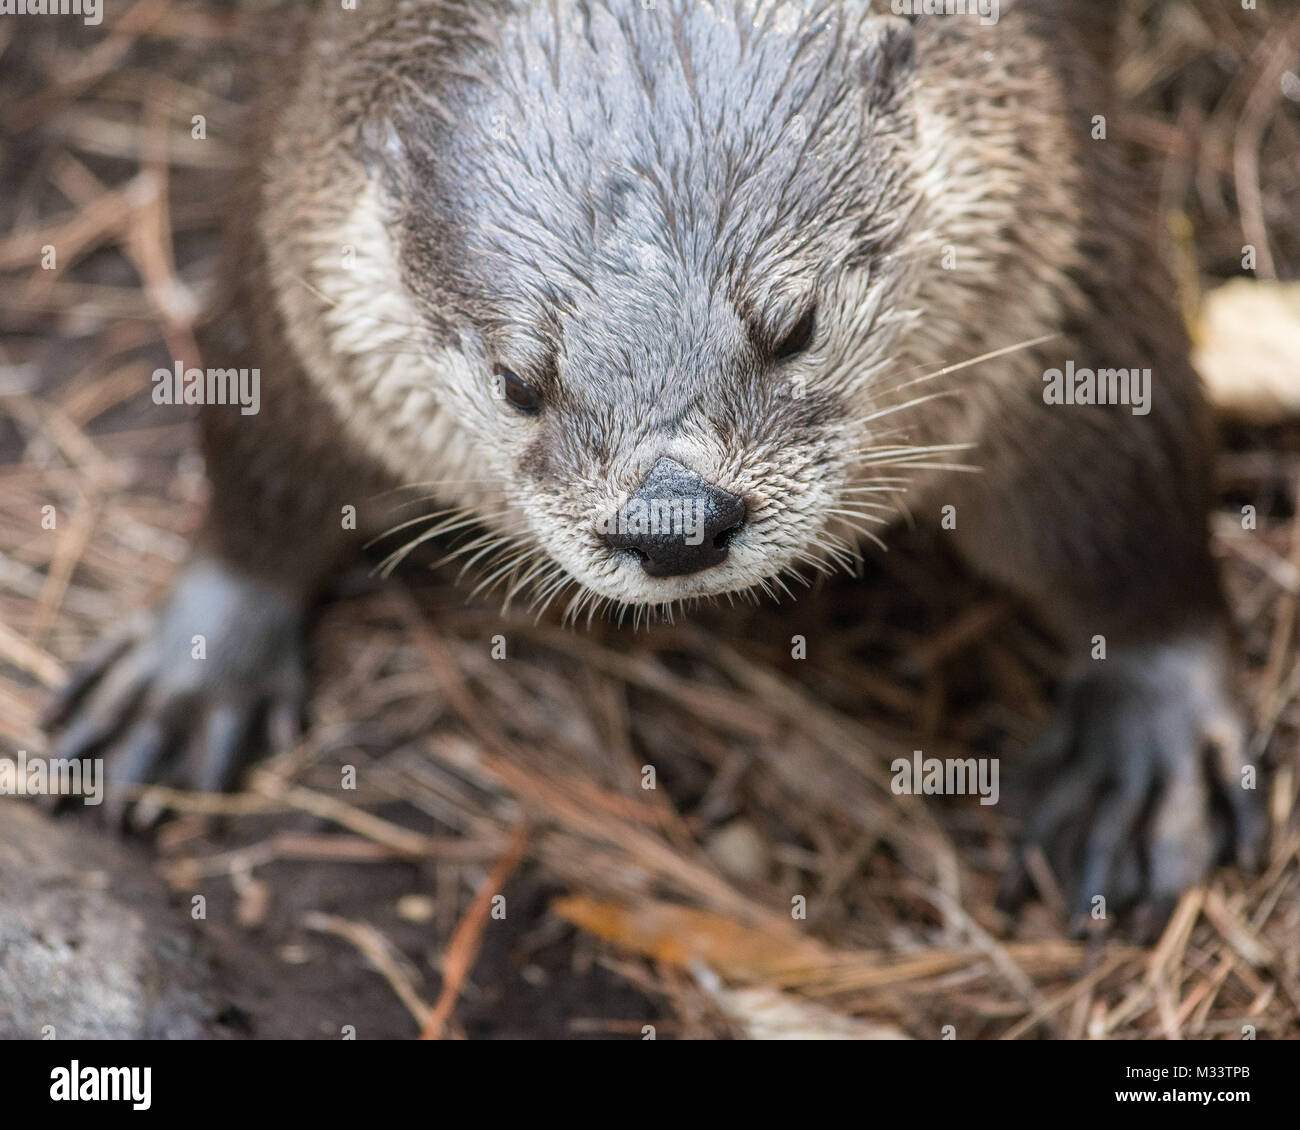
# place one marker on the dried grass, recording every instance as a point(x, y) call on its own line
point(772, 774)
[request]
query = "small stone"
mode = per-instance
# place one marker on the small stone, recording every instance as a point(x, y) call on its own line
point(740, 851)
point(415, 908)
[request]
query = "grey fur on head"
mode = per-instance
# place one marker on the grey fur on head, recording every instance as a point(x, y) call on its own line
point(629, 207)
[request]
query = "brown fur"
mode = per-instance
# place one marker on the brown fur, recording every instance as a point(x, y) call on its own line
point(974, 140)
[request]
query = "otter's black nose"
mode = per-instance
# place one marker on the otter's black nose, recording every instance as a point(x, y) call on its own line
point(676, 522)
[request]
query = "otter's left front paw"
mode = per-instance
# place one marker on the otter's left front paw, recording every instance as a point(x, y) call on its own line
point(1148, 785)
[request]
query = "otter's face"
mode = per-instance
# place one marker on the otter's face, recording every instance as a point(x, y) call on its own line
point(654, 245)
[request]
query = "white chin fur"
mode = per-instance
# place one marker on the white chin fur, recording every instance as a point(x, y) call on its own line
point(622, 580)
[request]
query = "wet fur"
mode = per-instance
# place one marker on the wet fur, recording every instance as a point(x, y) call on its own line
point(616, 203)
point(631, 242)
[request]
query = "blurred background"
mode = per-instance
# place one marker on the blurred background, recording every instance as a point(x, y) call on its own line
point(626, 906)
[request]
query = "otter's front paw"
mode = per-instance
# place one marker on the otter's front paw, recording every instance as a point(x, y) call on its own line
point(1145, 787)
point(190, 694)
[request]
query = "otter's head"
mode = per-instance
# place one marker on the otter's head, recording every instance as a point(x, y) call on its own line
point(654, 245)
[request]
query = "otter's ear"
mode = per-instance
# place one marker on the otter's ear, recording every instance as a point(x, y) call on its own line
point(383, 154)
point(886, 52)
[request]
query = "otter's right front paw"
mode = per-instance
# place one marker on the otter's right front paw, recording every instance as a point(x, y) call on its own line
point(190, 694)
point(1148, 785)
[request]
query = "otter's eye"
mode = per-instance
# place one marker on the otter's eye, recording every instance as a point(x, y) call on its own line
point(519, 392)
point(799, 337)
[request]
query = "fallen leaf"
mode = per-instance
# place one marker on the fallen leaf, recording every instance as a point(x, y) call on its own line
point(1248, 350)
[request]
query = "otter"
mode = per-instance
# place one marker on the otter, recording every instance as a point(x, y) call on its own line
point(674, 298)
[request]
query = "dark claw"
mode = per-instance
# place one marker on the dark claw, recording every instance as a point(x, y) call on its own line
point(1053, 814)
point(1150, 919)
point(286, 724)
point(1228, 757)
point(138, 760)
point(105, 717)
point(1131, 814)
point(145, 698)
point(85, 675)
point(1109, 841)
point(1183, 834)
point(230, 730)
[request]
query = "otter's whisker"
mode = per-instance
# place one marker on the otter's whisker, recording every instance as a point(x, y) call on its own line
point(431, 483)
point(857, 512)
point(394, 559)
point(414, 522)
point(991, 356)
point(885, 450)
point(507, 567)
point(527, 578)
point(966, 468)
point(550, 589)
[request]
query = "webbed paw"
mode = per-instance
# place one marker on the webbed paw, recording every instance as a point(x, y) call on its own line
point(1147, 785)
point(189, 694)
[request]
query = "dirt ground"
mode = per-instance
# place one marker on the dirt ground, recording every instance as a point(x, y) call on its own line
point(523, 777)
